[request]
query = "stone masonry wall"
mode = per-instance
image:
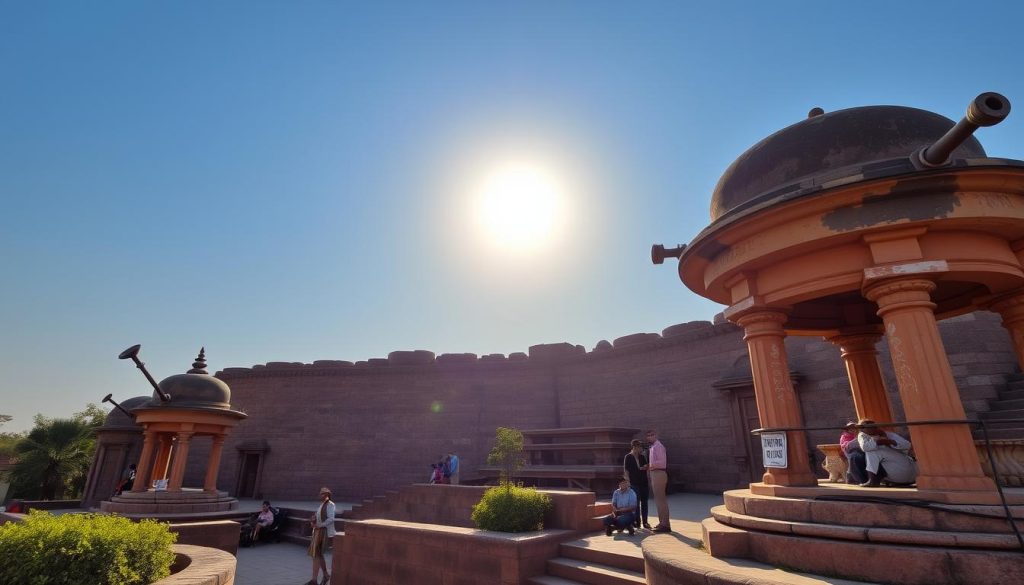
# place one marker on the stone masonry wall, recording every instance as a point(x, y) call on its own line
point(372, 426)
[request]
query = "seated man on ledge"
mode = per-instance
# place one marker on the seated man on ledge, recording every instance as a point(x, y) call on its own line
point(623, 509)
point(856, 472)
point(886, 456)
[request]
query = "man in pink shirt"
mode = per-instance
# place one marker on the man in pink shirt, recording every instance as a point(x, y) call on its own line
point(657, 468)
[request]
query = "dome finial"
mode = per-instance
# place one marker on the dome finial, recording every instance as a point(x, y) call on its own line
point(199, 366)
point(815, 112)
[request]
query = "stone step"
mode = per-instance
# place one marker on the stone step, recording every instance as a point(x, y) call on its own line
point(1015, 404)
point(1015, 382)
point(549, 580)
point(582, 552)
point(885, 562)
point(1001, 433)
point(593, 574)
point(995, 415)
point(1011, 394)
point(896, 536)
point(873, 510)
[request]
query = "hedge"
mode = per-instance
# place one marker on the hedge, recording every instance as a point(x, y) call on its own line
point(80, 549)
point(511, 508)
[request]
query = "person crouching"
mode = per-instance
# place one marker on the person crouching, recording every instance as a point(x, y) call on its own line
point(623, 510)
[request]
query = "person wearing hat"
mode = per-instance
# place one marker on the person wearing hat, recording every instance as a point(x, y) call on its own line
point(856, 472)
point(323, 530)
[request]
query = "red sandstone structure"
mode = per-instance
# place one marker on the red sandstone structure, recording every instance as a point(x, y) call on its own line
point(855, 226)
point(183, 406)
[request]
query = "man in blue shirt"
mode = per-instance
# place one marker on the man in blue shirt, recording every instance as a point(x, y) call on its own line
point(453, 468)
point(623, 510)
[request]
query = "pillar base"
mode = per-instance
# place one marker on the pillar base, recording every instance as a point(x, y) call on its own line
point(185, 501)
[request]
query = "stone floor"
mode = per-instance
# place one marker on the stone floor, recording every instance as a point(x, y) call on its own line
point(288, 564)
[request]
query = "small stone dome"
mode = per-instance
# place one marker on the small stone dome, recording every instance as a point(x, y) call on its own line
point(824, 143)
point(117, 419)
point(194, 389)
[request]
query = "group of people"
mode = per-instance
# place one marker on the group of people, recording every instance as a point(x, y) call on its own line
point(876, 456)
point(446, 470)
point(642, 474)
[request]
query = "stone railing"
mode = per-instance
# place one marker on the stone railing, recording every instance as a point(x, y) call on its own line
point(1008, 454)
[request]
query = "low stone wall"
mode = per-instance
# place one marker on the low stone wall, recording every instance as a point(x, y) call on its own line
point(200, 565)
point(219, 534)
point(386, 552)
point(51, 504)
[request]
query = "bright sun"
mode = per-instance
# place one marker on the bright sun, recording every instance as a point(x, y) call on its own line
point(519, 206)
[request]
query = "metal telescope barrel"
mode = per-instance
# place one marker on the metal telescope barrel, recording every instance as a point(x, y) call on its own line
point(109, 398)
point(988, 109)
point(132, 353)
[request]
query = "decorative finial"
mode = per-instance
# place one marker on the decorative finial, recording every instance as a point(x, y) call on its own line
point(815, 112)
point(199, 366)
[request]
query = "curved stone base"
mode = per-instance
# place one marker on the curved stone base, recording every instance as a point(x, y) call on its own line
point(186, 501)
point(199, 565)
point(875, 538)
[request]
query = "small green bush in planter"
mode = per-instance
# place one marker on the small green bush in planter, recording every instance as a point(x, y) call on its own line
point(84, 549)
point(511, 508)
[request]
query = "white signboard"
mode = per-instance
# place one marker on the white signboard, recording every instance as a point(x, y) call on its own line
point(773, 447)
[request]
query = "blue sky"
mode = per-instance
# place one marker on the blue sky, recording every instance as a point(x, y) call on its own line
point(287, 181)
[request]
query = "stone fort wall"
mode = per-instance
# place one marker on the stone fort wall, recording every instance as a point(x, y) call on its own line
point(371, 426)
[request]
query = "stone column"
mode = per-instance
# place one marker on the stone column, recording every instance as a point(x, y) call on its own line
point(163, 456)
point(145, 466)
point(213, 465)
point(866, 384)
point(946, 456)
point(777, 404)
point(180, 460)
point(1011, 308)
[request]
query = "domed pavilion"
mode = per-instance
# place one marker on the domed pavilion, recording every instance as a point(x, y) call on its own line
point(182, 407)
point(860, 225)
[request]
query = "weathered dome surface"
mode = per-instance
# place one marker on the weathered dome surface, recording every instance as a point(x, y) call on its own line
point(117, 419)
point(194, 391)
point(826, 143)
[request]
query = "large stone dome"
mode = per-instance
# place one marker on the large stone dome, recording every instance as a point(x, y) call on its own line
point(194, 389)
point(826, 143)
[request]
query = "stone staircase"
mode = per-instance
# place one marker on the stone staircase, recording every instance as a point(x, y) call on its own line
point(1009, 405)
point(581, 564)
point(876, 539)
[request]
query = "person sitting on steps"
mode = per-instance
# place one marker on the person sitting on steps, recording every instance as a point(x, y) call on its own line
point(623, 510)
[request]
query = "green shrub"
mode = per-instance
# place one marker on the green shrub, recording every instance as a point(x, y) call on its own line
point(84, 549)
point(511, 508)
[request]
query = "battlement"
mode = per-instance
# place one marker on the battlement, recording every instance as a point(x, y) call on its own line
point(545, 354)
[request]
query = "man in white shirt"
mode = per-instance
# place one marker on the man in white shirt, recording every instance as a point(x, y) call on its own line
point(887, 456)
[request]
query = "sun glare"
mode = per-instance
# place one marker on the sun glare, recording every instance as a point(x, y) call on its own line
point(520, 207)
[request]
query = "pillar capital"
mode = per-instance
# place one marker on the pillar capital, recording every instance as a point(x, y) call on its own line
point(1009, 303)
point(859, 341)
point(758, 322)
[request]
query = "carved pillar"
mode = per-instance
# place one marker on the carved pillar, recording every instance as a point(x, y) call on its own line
point(213, 465)
point(163, 456)
point(1011, 308)
point(866, 384)
point(145, 466)
point(777, 404)
point(947, 458)
point(180, 460)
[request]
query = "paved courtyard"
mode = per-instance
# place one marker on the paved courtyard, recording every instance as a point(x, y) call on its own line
point(287, 564)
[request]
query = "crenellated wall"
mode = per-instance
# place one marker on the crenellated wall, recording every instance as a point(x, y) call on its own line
point(371, 426)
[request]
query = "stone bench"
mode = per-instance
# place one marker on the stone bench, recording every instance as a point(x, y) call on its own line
point(1008, 453)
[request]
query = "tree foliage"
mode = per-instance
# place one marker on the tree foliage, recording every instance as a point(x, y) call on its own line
point(507, 453)
point(52, 460)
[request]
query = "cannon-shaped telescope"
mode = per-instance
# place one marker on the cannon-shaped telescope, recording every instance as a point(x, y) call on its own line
point(132, 353)
point(988, 109)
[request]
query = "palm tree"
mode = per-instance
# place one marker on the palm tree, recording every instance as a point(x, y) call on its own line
point(53, 459)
